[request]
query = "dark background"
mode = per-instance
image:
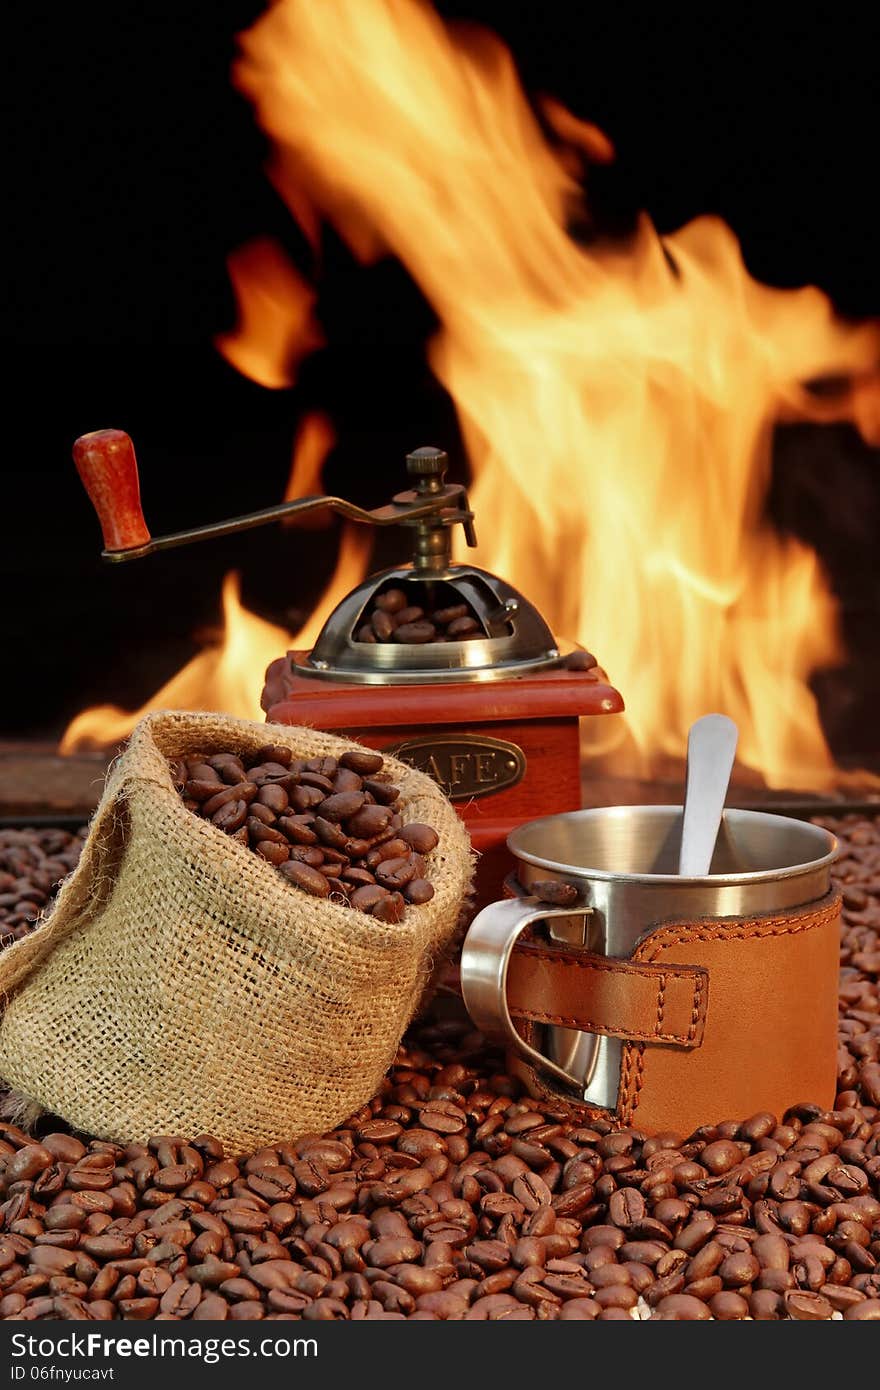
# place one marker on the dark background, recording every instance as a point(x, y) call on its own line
point(133, 169)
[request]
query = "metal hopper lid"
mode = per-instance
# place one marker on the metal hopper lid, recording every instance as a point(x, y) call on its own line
point(517, 640)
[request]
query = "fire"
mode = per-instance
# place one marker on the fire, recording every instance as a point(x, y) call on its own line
point(227, 677)
point(314, 440)
point(617, 402)
point(276, 327)
point(218, 678)
point(351, 566)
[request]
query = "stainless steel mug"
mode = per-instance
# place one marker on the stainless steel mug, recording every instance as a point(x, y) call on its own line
point(622, 862)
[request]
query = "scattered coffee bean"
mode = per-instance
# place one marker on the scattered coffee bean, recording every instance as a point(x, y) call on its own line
point(424, 1205)
point(33, 863)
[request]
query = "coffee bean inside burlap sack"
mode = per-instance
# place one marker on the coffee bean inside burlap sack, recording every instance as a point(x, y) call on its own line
point(181, 984)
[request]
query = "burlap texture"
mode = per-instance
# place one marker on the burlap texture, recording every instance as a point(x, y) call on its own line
point(181, 984)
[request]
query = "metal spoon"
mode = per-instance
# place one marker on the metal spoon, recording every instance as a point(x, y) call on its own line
point(711, 750)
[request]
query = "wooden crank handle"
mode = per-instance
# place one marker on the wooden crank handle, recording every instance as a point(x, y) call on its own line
point(106, 463)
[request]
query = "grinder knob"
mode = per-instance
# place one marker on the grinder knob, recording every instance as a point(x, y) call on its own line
point(429, 467)
point(106, 463)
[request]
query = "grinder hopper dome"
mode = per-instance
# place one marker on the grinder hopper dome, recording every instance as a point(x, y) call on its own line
point(510, 636)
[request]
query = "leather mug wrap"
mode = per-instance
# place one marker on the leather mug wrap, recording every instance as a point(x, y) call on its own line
point(721, 1017)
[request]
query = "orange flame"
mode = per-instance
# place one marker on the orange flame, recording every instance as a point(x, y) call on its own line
point(227, 677)
point(315, 438)
point(276, 327)
point(222, 678)
point(617, 404)
point(351, 566)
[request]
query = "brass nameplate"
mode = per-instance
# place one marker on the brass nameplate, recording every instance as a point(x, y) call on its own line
point(465, 765)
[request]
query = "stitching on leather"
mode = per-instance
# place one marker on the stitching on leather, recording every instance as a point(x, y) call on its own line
point(623, 1092)
point(754, 928)
point(631, 1080)
point(639, 1082)
point(677, 934)
point(611, 967)
point(694, 975)
point(606, 1030)
point(696, 1012)
point(640, 1079)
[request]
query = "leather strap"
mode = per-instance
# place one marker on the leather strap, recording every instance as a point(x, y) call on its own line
point(600, 994)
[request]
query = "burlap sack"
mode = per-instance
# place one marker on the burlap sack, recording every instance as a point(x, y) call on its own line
point(180, 984)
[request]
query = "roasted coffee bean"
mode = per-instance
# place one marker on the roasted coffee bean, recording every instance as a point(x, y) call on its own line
point(394, 873)
point(418, 891)
point(866, 1311)
point(366, 898)
point(391, 601)
point(274, 798)
point(395, 848)
point(554, 892)
point(200, 789)
point(728, 1306)
point(27, 1163)
point(326, 766)
point(806, 1306)
point(259, 832)
point(273, 853)
point(415, 632)
point(298, 829)
point(341, 806)
point(462, 627)
point(393, 611)
point(421, 838)
point(445, 616)
point(411, 614)
point(317, 780)
point(389, 909)
point(383, 792)
point(231, 816)
point(358, 878)
point(330, 833)
point(240, 792)
point(307, 854)
point(271, 753)
point(382, 625)
point(305, 877)
point(682, 1307)
point(322, 813)
point(305, 799)
point(627, 1207)
point(369, 821)
point(580, 661)
point(361, 761)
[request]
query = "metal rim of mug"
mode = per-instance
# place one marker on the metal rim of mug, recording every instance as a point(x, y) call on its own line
point(731, 814)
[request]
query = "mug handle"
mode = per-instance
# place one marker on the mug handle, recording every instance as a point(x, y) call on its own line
point(485, 960)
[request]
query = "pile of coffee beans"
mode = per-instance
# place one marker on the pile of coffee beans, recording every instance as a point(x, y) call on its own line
point(332, 827)
point(453, 1195)
point(32, 863)
point(395, 619)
